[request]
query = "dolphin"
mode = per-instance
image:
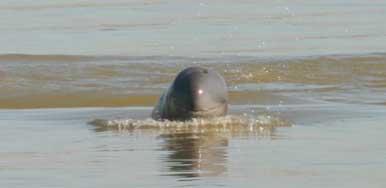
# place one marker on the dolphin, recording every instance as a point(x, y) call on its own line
point(196, 92)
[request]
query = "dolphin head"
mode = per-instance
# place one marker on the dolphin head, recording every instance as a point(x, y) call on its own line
point(198, 92)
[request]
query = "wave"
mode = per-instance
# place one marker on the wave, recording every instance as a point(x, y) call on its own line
point(222, 58)
point(230, 123)
point(50, 57)
point(38, 81)
point(71, 58)
point(47, 6)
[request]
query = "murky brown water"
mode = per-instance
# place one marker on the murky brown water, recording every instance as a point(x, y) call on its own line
point(314, 121)
point(76, 81)
point(307, 84)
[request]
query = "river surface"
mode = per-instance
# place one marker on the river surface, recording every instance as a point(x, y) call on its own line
point(306, 82)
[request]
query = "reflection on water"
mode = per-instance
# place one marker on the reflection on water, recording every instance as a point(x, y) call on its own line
point(330, 144)
point(195, 154)
point(195, 148)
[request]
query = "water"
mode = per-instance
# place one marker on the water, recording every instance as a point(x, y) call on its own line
point(191, 28)
point(30, 81)
point(307, 84)
point(341, 145)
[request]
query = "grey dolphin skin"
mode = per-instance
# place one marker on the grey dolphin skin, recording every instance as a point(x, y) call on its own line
point(196, 92)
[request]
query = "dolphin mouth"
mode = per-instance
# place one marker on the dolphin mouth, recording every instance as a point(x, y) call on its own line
point(207, 112)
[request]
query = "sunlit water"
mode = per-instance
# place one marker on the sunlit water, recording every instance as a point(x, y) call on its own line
point(307, 86)
point(192, 28)
point(331, 145)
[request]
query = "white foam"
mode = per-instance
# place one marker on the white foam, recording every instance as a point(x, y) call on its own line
point(229, 122)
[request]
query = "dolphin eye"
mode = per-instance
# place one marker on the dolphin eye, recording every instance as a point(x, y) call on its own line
point(200, 91)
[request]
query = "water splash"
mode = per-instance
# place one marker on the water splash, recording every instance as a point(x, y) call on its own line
point(229, 123)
